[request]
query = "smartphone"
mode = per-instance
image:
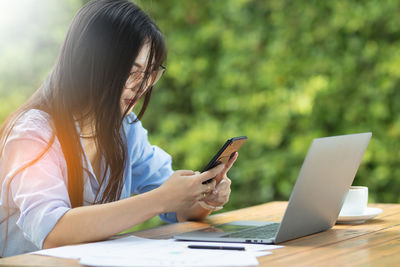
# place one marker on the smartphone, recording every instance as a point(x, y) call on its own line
point(231, 146)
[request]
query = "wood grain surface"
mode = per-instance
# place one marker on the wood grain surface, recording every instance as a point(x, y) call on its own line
point(373, 243)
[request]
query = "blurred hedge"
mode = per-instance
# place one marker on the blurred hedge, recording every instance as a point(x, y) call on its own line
point(280, 72)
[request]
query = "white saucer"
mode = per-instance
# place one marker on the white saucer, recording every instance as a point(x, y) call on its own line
point(356, 219)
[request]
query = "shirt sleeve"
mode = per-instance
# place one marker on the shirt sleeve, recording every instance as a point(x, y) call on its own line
point(150, 165)
point(40, 190)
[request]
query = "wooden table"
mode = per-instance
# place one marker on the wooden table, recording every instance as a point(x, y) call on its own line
point(374, 243)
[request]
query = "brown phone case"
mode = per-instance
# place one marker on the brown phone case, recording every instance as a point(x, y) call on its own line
point(228, 149)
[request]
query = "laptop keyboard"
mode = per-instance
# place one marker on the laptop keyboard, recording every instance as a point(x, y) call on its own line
point(261, 232)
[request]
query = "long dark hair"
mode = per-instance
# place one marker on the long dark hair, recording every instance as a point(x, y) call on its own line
point(87, 80)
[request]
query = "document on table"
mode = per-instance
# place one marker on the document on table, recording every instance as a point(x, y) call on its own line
point(136, 251)
point(175, 258)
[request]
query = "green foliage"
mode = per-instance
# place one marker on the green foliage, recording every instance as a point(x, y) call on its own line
point(280, 72)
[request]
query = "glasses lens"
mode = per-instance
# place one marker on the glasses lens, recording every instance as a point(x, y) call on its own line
point(159, 73)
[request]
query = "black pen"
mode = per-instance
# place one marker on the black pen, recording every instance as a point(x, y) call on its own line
point(216, 247)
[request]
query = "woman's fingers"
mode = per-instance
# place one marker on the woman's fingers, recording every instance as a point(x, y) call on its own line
point(211, 173)
point(185, 172)
point(221, 193)
point(225, 183)
point(203, 190)
point(223, 188)
point(228, 165)
point(208, 187)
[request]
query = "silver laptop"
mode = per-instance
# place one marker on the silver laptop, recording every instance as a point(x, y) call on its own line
point(317, 197)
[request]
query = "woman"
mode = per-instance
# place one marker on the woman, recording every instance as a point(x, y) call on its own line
point(73, 154)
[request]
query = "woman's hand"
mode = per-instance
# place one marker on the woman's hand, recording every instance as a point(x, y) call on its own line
point(220, 195)
point(184, 188)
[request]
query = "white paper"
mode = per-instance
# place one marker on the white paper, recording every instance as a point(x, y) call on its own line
point(109, 247)
point(136, 251)
point(176, 258)
point(260, 253)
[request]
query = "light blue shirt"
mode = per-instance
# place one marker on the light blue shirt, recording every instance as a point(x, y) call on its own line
point(39, 194)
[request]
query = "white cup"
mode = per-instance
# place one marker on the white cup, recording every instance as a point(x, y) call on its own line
point(356, 201)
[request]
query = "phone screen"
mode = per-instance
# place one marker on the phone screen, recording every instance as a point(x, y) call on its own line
point(231, 146)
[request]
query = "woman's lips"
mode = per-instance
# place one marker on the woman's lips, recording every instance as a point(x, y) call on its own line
point(128, 101)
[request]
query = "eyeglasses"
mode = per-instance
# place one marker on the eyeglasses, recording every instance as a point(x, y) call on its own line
point(154, 76)
point(159, 73)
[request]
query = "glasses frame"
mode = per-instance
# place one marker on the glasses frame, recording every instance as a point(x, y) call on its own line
point(160, 73)
point(157, 77)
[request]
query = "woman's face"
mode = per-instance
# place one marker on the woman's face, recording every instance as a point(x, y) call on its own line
point(133, 83)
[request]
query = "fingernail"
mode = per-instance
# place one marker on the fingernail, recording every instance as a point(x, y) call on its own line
point(215, 191)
